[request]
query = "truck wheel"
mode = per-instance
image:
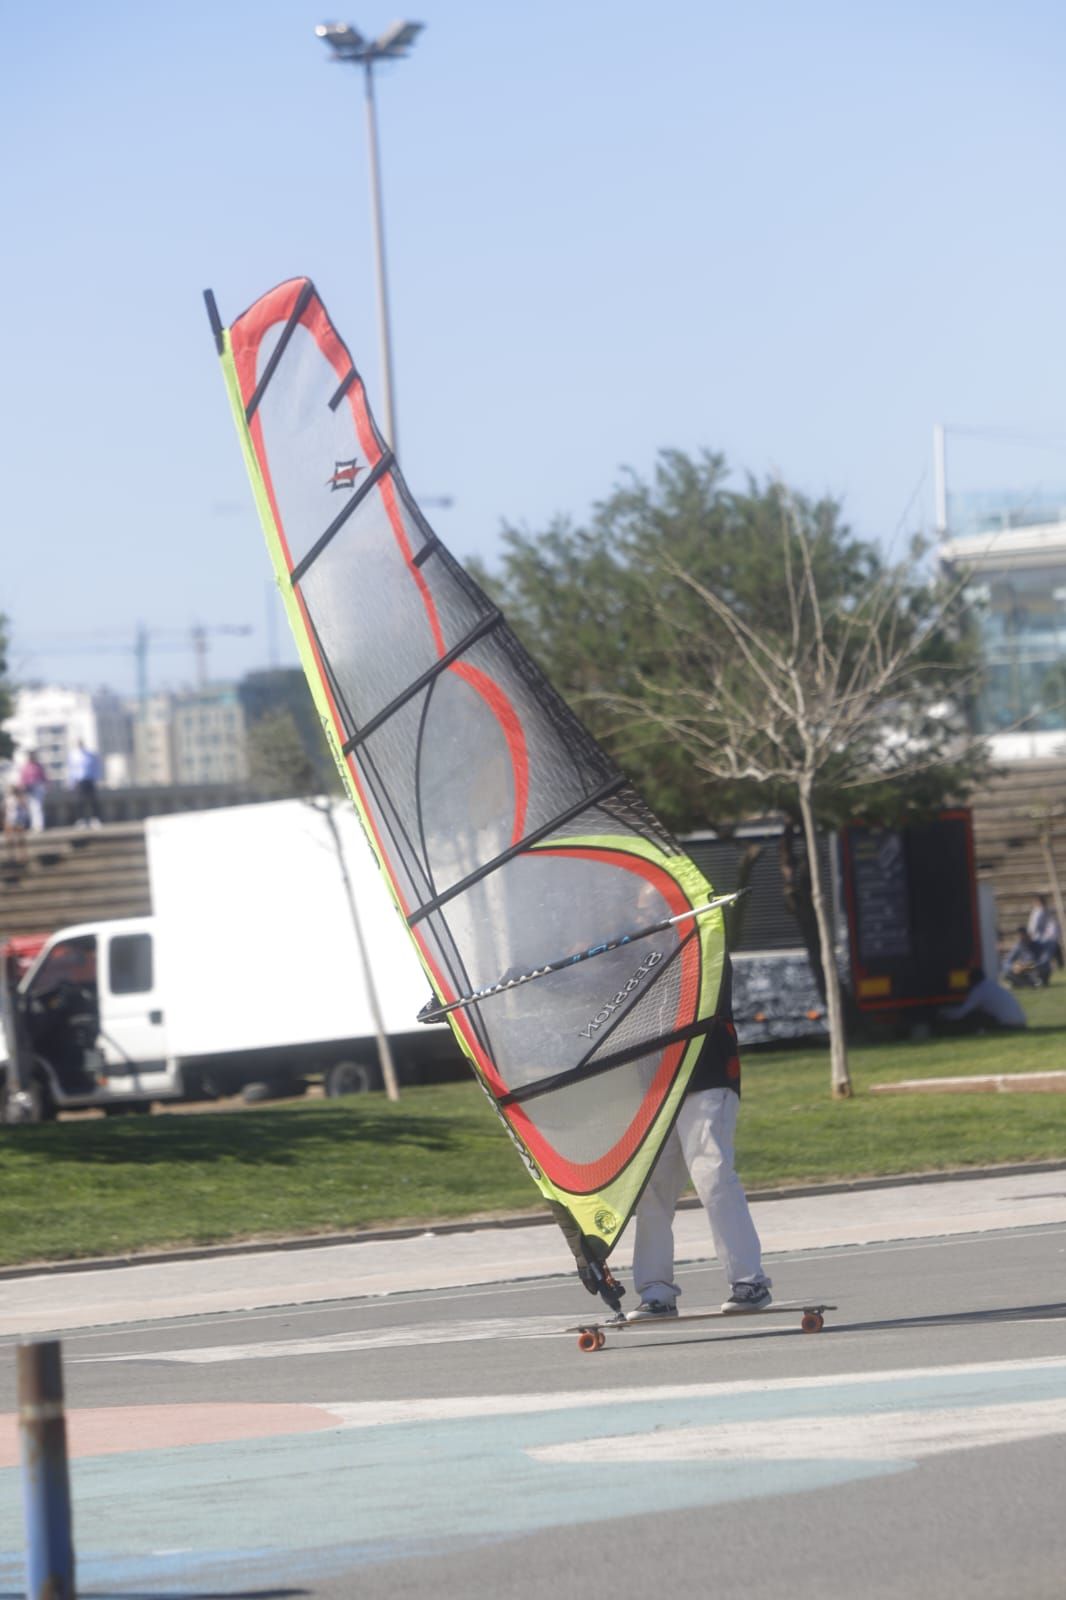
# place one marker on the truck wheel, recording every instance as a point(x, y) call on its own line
point(34, 1104)
point(346, 1077)
point(276, 1089)
point(253, 1093)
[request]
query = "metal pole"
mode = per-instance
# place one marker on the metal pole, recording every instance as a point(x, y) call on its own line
point(45, 1480)
point(388, 1070)
point(379, 257)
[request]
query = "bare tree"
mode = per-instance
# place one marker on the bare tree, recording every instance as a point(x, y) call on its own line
point(852, 691)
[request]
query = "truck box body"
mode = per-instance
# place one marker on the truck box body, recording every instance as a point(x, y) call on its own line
point(249, 970)
point(255, 942)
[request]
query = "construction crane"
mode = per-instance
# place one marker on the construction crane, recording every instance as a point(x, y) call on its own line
point(102, 642)
point(199, 632)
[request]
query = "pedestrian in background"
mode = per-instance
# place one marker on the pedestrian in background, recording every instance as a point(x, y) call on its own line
point(16, 821)
point(33, 781)
point(1043, 928)
point(83, 770)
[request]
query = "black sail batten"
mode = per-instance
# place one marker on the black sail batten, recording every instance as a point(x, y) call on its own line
point(604, 792)
point(378, 471)
point(342, 389)
point(486, 625)
point(303, 301)
point(618, 1058)
point(431, 546)
point(215, 320)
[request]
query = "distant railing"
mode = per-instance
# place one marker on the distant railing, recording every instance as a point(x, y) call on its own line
point(62, 807)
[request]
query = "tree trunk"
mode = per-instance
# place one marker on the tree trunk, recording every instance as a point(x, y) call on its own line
point(840, 1077)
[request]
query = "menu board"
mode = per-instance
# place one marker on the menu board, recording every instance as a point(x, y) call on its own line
point(882, 904)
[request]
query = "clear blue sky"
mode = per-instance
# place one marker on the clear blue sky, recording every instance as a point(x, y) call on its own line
point(796, 234)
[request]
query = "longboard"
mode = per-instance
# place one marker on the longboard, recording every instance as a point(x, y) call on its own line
point(592, 1336)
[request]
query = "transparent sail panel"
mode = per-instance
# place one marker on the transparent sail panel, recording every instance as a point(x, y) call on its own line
point(508, 835)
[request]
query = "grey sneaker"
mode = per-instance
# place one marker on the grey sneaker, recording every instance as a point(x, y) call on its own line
point(748, 1297)
point(652, 1310)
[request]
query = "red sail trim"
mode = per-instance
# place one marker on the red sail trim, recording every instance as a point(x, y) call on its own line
point(507, 717)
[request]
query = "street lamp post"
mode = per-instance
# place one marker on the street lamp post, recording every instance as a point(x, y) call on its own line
point(347, 44)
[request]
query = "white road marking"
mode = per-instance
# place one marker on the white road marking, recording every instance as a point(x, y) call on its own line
point(340, 1343)
point(867, 1436)
point(381, 1413)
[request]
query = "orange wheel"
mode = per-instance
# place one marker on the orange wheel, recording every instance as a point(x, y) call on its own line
point(813, 1322)
point(601, 1338)
point(587, 1340)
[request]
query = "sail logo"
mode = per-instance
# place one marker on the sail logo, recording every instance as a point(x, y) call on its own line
point(344, 475)
point(611, 1006)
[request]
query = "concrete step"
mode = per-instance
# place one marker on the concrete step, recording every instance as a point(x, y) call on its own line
point(66, 876)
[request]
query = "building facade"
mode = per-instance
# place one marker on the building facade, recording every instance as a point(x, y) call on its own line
point(208, 733)
point(1015, 575)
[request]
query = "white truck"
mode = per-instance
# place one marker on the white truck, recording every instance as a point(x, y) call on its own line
point(249, 971)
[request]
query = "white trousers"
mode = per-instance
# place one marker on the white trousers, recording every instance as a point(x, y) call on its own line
point(35, 807)
point(701, 1144)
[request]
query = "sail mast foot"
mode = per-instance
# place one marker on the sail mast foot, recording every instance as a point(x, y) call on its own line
point(592, 1266)
point(215, 320)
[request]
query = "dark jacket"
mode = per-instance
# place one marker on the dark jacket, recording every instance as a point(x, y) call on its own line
point(718, 1064)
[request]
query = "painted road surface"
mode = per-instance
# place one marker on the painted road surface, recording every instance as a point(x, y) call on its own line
point(457, 1442)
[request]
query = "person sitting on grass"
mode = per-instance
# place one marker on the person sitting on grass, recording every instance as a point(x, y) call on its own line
point(987, 1003)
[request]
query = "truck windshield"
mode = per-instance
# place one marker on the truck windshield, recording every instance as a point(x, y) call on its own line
point(70, 961)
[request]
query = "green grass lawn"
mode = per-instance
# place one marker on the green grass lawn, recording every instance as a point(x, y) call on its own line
point(104, 1187)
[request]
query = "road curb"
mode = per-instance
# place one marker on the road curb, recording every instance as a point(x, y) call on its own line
point(533, 1219)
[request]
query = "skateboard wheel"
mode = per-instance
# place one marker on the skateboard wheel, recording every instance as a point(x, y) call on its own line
point(813, 1322)
point(601, 1338)
point(588, 1340)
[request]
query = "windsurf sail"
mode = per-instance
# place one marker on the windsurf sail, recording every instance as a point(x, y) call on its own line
point(509, 838)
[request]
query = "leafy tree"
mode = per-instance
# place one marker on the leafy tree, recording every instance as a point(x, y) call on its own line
point(743, 652)
point(278, 762)
point(287, 750)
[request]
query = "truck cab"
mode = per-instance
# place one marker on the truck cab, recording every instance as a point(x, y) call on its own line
point(85, 1024)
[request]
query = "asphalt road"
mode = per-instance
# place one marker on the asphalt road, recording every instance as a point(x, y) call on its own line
point(454, 1441)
